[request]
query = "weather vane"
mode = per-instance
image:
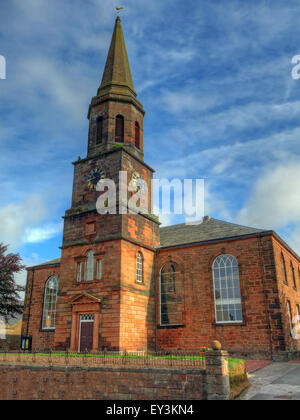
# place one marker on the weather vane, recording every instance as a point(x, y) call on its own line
point(118, 9)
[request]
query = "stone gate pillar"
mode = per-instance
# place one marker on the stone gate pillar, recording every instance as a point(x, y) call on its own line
point(217, 373)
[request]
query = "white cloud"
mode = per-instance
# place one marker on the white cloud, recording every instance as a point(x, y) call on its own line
point(19, 223)
point(275, 201)
point(183, 100)
point(15, 218)
point(21, 277)
point(42, 77)
point(41, 234)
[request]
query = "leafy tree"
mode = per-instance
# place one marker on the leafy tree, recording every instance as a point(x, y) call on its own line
point(10, 301)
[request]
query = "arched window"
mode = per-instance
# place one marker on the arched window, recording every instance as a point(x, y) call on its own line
point(99, 130)
point(228, 305)
point(290, 317)
point(172, 286)
point(283, 267)
point(139, 268)
point(170, 295)
point(89, 266)
point(50, 301)
point(137, 135)
point(293, 275)
point(119, 129)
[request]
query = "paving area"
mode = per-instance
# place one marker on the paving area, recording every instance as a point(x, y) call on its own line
point(253, 365)
point(277, 381)
point(295, 361)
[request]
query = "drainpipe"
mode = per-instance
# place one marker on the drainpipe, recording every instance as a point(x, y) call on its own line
point(30, 300)
point(265, 294)
point(155, 299)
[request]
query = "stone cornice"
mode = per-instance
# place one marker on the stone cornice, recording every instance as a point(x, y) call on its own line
point(120, 147)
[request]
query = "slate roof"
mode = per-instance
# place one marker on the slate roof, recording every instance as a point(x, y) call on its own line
point(51, 262)
point(206, 230)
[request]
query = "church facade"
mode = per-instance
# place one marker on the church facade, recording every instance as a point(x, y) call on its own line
point(125, 283)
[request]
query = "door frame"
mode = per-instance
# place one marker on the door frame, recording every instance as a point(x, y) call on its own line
point(81, 321)
point(84, 305)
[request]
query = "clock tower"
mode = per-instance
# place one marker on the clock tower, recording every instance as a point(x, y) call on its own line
point(107, 294)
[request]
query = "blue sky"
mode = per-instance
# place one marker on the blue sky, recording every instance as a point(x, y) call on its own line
point(214, 78)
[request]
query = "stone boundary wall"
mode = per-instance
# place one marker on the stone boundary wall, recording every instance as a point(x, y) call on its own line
point(32, 381)
point(79, 383)
point(12, 342)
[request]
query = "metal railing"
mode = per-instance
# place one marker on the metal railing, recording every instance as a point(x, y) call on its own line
point(163, 359)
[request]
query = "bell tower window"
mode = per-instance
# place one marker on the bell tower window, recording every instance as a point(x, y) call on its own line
point(119, 129)
point(137, 135)
point(99, 130)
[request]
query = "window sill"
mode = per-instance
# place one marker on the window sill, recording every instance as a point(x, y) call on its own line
point(229, 324)
point(87, 282)
point(45, 330)
point(170, 327)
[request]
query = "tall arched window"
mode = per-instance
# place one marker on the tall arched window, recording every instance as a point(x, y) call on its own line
point(89, 266)
point(293, 275)
point(119, 129)
point(290, 317)
point(283, 267)
point(170, 295)
point(50, 301)
point(172, 285)
point(139, 268)
point(228, 305)
point(99, 130)
point(137, 135)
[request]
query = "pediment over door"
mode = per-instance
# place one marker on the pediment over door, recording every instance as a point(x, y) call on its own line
point(85, 300)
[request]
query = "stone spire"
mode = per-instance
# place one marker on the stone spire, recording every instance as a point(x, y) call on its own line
point(115, 114)
point(117, 77)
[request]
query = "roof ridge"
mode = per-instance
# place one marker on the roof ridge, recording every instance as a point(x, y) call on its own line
point(237, 224)
point(198, 223)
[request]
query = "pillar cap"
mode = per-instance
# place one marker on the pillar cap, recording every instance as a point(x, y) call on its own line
point(216, 345)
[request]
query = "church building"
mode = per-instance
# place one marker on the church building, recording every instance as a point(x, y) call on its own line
point(125, 283)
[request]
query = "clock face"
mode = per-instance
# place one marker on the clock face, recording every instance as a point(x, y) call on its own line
point(137, 181)
point(94, 177)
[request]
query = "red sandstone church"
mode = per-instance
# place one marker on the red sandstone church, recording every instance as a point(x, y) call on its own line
point(124, 283)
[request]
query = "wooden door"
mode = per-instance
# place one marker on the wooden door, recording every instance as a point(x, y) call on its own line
point(86, 336)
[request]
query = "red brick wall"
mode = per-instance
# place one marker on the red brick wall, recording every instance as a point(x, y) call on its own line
point(108, 288)
point(12, 342)
point(195, 264)
point(34, 301)
point(287, 292)
point(128, 315)
point(137, 316)
point(42, 383)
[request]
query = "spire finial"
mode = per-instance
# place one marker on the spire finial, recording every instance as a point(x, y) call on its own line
point(118, 9)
